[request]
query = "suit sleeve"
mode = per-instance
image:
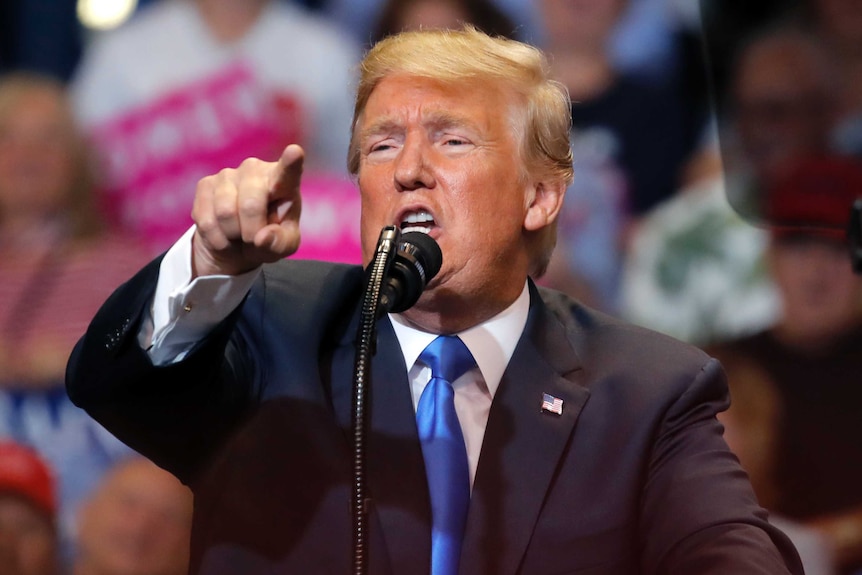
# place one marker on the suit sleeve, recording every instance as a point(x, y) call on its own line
point(176, 415)
point(699, 498)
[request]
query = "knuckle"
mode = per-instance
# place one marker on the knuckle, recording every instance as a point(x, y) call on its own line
point(250, 164)
point(206, 186)
point(223, 177)
point(252, 206)
point(206, 225)
point(224, 211)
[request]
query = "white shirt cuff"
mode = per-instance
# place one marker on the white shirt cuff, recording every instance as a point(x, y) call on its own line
point(184, 311)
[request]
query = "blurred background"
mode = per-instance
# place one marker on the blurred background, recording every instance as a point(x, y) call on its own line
point(717, 148)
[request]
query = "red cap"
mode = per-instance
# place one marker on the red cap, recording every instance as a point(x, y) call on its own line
point(814, 196)
point(24, 473)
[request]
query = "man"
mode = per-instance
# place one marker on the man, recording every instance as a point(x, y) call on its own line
point(782, 95)
point(186, 87)
point(591, 446)
point(797, 434)
point(28, 511)
point(784, 99)
point(136, 522)
point(631, 134)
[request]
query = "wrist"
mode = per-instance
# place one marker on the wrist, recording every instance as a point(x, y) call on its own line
point(207, 262)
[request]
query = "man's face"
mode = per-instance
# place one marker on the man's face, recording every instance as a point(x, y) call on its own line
point(36, 163)
point(782, 111)
point(28, 543)
point(445, 158)
point(840, 21)
point(581, 23)
point(820, 293)
point(137, 523)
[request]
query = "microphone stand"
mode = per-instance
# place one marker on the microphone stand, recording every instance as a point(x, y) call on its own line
point(854, 235)
point(366, 339)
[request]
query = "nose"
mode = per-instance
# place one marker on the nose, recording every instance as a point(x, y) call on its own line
point(413, 168)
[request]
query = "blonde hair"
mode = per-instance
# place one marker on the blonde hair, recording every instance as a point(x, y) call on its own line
point(542, 123)
point(16, 88)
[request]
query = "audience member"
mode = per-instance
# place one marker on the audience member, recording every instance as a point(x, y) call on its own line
point(695, 269)
point(28, 508)
point(800, 441)
point(751, 429)
point(58, 266)
point(630, 141)
point(137, 522)
point(784, 105)
point(726, 25)
point(618, 104)
point(839, 24)
point(399, 15)
point(190, 86)
point(644, 41)
point(362, 17)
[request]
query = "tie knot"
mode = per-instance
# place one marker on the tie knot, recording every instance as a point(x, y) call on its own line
point(448, 358)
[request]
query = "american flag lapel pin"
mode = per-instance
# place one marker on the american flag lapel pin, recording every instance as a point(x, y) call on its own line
point(552, 404)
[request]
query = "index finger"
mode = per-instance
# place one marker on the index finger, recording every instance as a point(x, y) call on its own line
point(287, 174)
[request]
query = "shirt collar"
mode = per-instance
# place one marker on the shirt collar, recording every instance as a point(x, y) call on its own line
point(492, 342)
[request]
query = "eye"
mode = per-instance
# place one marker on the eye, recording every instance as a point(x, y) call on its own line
point(382, 149)
point(454, 141)
point(379, 146)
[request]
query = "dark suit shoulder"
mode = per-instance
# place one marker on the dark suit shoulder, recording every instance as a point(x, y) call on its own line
point(650, 417)
point(599, 338)
point(633, 370)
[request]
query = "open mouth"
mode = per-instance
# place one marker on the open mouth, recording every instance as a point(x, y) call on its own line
point(417, 222)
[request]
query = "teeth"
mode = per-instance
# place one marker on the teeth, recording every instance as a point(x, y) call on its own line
point(420, 217)
point(417, 222)
point(422, 229)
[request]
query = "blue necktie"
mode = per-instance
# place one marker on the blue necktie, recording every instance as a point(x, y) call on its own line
point(444, 451)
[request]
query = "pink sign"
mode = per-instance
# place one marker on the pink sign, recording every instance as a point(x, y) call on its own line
point(330, 220)
point(153, 156)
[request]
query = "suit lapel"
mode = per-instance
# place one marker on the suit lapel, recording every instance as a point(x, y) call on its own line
point(395, 470)
point(522, 445)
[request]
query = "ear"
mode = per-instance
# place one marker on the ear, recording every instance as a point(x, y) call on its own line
point(544, 201)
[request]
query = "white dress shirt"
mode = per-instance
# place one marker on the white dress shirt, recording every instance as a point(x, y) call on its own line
point(185, 310)
point(492, 344)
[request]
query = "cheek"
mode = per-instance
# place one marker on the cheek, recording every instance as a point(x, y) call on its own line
point(845, 291)
point(489, 194)
point(372, 218)
point(374, 184)
point(366, 240)
point(785, 272)
point(39, 548)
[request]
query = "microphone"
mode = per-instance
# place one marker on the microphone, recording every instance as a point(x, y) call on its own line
point(418, 259)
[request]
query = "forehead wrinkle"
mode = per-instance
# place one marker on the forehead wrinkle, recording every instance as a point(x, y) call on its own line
point(442, 119)
point(383, 125)
point(433, 120)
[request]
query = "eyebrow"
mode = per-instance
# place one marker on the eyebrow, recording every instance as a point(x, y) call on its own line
point(436, 120)
point(380, 126)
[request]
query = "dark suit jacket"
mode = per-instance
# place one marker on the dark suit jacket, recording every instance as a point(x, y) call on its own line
point(633, 478)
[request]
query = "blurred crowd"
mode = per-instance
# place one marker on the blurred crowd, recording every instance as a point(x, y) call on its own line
point(717, 148)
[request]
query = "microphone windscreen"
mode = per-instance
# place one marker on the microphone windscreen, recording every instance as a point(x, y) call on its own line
point(426, 250)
